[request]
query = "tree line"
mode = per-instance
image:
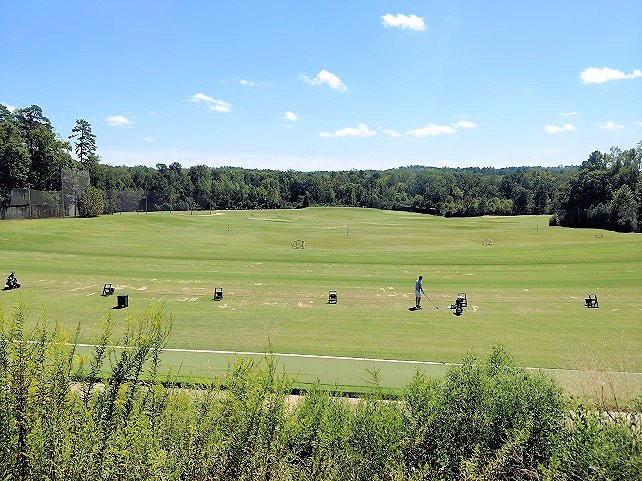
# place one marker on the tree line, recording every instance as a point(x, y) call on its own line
point(605, 191)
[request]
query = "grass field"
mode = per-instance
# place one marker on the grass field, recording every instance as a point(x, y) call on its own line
point(525, 291)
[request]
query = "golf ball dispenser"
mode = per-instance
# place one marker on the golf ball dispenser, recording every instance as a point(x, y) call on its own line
point(460, 303)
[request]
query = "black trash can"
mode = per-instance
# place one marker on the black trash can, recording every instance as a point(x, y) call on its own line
point(123, 301)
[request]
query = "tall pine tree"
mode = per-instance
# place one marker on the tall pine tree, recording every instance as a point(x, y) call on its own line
point(85, 144)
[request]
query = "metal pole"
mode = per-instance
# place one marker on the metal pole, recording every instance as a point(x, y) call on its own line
point(62, 196)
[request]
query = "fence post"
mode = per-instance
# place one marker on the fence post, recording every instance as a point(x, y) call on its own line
point(29, 194)
point(62, 195)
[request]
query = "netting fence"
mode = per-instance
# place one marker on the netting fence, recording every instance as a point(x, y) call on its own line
point(73, 183)
point(32, 204)
point(26, 203)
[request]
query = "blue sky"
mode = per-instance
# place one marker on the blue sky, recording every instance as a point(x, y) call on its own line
point(333, 84)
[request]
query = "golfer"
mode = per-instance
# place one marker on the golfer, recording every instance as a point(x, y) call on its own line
point(418, 291)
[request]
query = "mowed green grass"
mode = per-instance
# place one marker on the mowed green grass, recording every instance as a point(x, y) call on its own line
point(525, 291)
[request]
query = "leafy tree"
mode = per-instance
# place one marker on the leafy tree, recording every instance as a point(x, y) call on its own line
point(5, 114)
point(624, 209)
point(92, 202)
point(14, 161)
point(48, 156)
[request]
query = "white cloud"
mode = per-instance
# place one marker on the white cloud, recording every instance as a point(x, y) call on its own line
point(291, 116)
point(466, 124)
point(392, 133)
point(360, 130)
point(220, 106)
point(117, 121)
point(249, 83)
point(555, 129)
point(199, 97)
point(10, 107)
point(214, 104)
point(148, 139)
point(611, 126)
point(325, 77)
point(432, 129)
point(411, 22)
point(595, 75)
point(568, 114)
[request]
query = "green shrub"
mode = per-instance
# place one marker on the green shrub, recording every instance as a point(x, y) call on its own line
point(554, 220)
point(478, 410)
point(92, 202)
point(107, 416)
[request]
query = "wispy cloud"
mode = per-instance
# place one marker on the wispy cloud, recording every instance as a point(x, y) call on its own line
point(252, 83)
point(214, 104)
point(556, 129)
point(325, 77)
point(148, 139)
point(433, 129)
point(392, 133)
point(595, 75)
point(610, 125)
point(568, 114)
point(200, 97)
point(291, 116)
point(409, 22)
point(466, 124)
point(9, 107)
point(117, 121)
point(360, 130)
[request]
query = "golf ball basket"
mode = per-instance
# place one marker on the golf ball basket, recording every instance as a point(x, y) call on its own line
point(218, 294)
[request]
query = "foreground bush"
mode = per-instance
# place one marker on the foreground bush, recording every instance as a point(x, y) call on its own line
point(61, 418)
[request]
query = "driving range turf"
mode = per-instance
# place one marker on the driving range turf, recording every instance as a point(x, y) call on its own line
point(525, 291)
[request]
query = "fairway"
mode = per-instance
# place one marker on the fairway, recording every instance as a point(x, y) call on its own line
point(526, 290)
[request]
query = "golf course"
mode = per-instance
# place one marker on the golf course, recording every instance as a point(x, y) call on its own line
point(525, 291)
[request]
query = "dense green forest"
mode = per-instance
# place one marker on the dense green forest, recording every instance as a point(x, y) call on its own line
point(605, 191)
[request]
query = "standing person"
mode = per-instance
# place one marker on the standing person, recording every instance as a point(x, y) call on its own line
point(418, 291)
